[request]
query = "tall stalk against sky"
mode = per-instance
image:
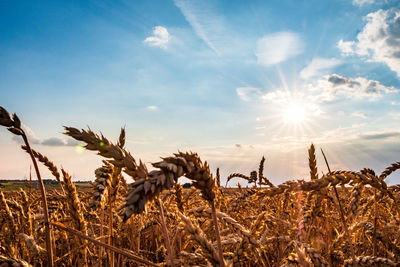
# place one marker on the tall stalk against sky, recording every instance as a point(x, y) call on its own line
point(14, 125)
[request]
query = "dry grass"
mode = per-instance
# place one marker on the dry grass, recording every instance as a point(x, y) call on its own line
point(154, 221)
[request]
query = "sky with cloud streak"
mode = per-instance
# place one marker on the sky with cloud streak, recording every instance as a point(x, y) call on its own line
point(215, 77)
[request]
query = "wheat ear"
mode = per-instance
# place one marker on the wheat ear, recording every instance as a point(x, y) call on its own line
point(75, 205)
point(171, 168)
point(370, 261)
point(198, 235)
point(46, 162)
point(119, 156)
point(9, 261)
point(392, 168)
point(312, 163)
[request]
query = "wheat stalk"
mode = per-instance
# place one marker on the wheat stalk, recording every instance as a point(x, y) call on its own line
point(14, 126)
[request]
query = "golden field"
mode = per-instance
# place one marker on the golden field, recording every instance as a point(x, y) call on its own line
point(341, 218)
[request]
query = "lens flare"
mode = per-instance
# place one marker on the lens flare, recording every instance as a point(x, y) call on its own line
point(79, 149)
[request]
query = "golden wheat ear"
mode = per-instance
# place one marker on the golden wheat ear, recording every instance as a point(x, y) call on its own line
point(75, 205)
point(389, 170)
point(117, 155)
point(102, 186)
point(46, 162)
point(312, 163)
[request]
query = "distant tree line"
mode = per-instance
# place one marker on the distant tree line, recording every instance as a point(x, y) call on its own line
point(45, 181)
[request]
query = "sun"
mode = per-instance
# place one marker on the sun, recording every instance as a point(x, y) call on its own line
point(294, 113)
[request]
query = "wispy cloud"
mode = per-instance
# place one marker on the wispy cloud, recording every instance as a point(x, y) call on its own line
point(245, 147)
point(160, 37)
point(205, 22)
point(359, 114)
point(395, 115)
point(152, 108)
point(249, 93)
point(278, 47)
point(337, 136)
point(379, 40)
point(362, 2)
point(318, 67)
point(56, 141)
point(280, 96)
point(379, 135)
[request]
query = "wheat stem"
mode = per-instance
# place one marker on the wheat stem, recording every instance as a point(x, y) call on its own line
point(353, 255)
point(165, 233)
point(49, 247)
point(217, 234)
point(123, 252)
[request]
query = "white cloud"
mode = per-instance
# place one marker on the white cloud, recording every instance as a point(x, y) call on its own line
point(359, 114)
point(249, 93)
point(160, 37)
point(278, 47)
point(206, 24)
point(332, 86)
point(278, 96)
point(328, 88)
point(318, 66)
point(152, 108)
point(379, 40)
point(362, 2)
point(347, 48)
point(54, 141)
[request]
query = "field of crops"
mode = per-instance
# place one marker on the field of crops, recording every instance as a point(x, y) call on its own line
point(341, 218)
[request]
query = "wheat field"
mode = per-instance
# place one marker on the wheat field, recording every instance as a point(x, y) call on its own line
point(341, 218)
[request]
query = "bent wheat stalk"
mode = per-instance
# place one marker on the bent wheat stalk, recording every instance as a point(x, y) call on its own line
point(14, 126)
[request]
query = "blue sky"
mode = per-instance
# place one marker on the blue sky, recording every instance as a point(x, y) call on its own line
point(232, 80)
